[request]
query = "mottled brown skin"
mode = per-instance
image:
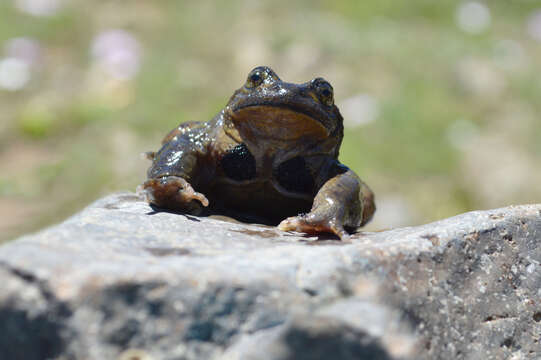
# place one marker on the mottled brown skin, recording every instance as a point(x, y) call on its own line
point(270, 155)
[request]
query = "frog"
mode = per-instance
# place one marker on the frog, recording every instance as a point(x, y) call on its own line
point(271, 154)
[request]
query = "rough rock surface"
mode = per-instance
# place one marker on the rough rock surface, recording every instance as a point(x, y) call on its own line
point(122, 281)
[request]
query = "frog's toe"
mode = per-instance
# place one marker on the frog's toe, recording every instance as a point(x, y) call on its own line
point(312, 224)
point(173, 192)
point(186, 192)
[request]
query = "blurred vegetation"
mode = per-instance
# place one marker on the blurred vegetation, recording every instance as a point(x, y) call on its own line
point(441, 98)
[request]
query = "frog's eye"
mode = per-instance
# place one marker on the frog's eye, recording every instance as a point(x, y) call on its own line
point(255, 78)
point(324, 91)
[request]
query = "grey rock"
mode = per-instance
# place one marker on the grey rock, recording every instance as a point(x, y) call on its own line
point(122, 281)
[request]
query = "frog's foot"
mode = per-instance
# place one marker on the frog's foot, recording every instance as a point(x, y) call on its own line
point(173, 192)
point(314, 223)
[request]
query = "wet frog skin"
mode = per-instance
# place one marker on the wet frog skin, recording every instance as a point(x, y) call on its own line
point(271, 156)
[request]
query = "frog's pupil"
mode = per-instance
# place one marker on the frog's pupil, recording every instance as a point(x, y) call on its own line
point(239, 163)
point(255, 77)
point(326, 92)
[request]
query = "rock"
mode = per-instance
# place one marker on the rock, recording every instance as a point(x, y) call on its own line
point(122, 281)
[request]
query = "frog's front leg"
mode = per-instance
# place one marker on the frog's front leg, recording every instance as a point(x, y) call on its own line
point(343, 201)
point(177, 168)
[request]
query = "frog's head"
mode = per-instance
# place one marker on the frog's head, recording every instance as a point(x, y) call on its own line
point(265, 107)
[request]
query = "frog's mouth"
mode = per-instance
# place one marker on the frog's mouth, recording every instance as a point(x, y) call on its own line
point(276, 122)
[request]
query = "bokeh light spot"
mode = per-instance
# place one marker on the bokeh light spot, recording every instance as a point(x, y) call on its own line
point(534, 25)
point(14, 74)
point(38, 7)
point(359, 110)
point(473, 17)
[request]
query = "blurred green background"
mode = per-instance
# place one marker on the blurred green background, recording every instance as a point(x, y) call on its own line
point(441, 99)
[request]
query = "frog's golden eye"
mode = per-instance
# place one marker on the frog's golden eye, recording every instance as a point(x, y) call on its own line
point(255, 78)
point(324, 91)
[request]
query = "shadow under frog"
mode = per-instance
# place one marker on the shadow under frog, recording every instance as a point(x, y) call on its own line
point(270, 156)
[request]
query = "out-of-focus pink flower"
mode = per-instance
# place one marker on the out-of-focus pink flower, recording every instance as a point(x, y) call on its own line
point(118, 52)
point(24, 49)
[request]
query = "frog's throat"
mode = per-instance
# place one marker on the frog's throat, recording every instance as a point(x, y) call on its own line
point(278, 123)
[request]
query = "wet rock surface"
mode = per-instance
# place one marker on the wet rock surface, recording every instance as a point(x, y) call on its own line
point(122, 281)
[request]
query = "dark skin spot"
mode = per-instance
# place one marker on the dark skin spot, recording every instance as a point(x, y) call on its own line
point(238, 163)
point(293, 175)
